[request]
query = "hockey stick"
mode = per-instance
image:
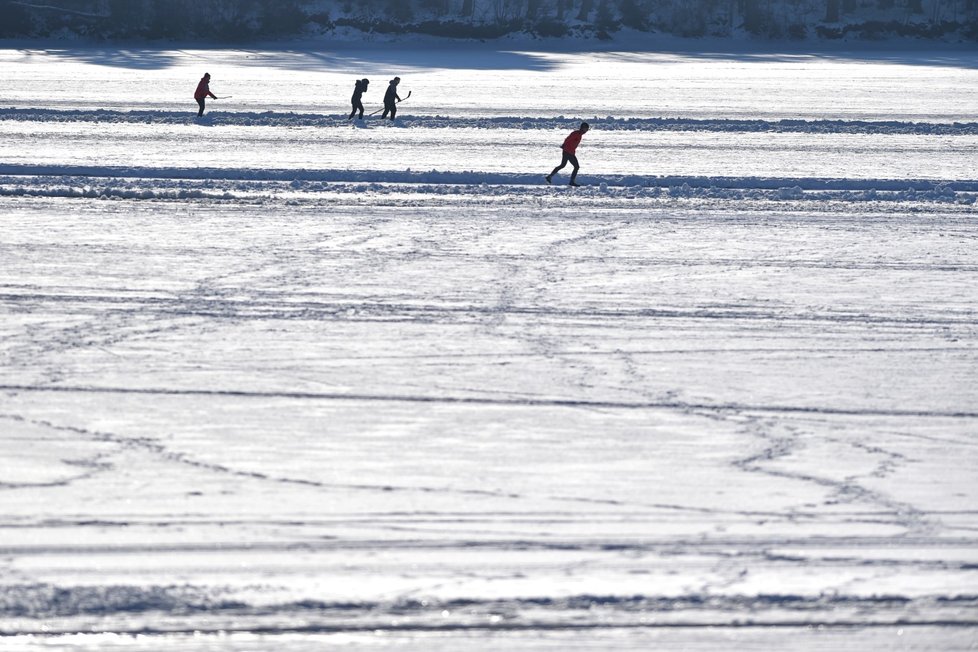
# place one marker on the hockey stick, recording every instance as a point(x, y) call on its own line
point(399, 101)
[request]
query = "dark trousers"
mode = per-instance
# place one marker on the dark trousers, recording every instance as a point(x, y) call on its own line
point(201, 103)
point(357, 106)
point(389, 108)
point(568, 158)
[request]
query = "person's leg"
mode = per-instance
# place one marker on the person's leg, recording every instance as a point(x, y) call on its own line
point(387, 109)
point(353, 112)
point(201, 103)
point(563, 163)
point(360, 108)
point(393, 111)
point(573, 161)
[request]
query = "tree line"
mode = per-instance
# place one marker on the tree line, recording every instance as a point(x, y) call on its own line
point(231, 20)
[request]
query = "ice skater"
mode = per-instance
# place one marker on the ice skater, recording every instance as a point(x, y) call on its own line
point(203, 91)
point(568, 149)
point(358, 90)
point(390, 106)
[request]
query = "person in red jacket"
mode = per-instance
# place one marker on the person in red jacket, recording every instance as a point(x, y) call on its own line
point(203, 90)
point(569, 148)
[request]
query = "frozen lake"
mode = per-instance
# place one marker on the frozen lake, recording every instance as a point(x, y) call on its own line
point(267, 380)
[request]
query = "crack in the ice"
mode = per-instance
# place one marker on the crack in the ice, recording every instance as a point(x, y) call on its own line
point(848, 490)
point(715, 408)
point(153, 447)
point(392, 312)
point(92, 465)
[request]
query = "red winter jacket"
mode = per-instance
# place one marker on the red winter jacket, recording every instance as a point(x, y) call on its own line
point(571, 142)
point(203, 90)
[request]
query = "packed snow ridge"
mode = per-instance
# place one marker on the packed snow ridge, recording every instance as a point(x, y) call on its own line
point(609, 123)
point(95, 182)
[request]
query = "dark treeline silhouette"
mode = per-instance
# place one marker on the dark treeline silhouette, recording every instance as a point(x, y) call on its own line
point(154, 19)
point(231, 20)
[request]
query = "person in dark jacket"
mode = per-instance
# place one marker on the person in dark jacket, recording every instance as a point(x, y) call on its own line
point(569, 149)
point(390, 106)
point(358, 90)
point(203, 91)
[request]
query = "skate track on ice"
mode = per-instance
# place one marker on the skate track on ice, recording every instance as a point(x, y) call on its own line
point(269, 381)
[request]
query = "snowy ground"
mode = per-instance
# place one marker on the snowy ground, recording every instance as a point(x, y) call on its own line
point(267, 380)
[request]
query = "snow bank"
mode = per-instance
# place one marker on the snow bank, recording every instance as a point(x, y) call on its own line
point(288, 119)
point(944, 188)
point(248, 184)
point(92, 191)
point(46, 601)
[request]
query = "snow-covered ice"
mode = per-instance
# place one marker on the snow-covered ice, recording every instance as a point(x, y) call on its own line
point(267, 380)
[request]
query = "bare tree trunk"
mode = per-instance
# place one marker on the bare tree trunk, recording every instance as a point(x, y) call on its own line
point(587, 6)
point(832, 11)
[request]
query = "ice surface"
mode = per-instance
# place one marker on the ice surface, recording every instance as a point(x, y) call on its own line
point(268, 381)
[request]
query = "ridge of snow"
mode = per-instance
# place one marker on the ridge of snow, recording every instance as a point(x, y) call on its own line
point(609, 123)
